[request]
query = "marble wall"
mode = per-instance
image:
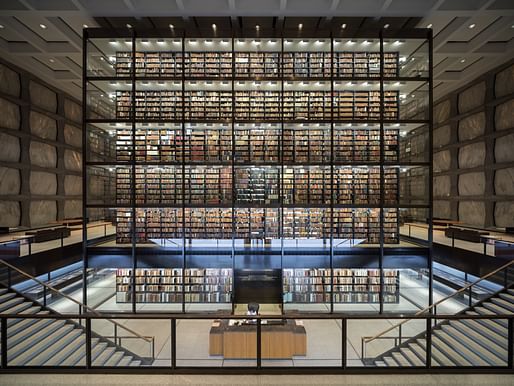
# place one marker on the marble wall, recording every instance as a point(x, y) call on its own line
point(474, 151)
point(41, 151)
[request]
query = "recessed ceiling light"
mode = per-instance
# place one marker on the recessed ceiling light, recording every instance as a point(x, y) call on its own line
point(300, 26)
point(386, 26)
point(85, 25)
point(129, 25)
point(42, 26)
point(257, 26)
point(462, 60)
point(213, 26)
point(2, 26)
point(172, 26)
point(160, 41)
point(343, 26)
point(429, 26)
point(102, 59)
point(51, 60)
point(472, 25)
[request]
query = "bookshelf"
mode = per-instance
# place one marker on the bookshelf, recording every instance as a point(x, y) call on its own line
point(169, 285)
point(318, 285)
point(221, 143)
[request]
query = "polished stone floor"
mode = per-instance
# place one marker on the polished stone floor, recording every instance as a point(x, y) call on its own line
point(250, 380)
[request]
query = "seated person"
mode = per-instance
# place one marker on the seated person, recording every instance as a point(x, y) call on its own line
point(253, 309)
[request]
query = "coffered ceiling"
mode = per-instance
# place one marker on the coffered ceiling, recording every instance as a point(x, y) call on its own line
point(44, 36)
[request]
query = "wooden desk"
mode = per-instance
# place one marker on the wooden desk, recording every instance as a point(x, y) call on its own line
point(240, 342)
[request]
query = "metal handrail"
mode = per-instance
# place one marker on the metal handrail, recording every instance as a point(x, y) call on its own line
point(367, 339)
point(82, 305)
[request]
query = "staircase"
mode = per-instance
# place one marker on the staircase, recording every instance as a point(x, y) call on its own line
point(54, 342)
point(463, 342)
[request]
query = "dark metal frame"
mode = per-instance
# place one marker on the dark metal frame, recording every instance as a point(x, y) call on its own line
point(425, 34)
point(258, 368)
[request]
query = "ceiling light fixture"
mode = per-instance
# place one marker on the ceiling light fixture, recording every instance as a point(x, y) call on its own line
point(85, 25)
point(472, 25)
point(386, 26)
point(129, 25)
point(43, 26)
point(213, 26)
point(172, 26)
point(429, 26)
point(160, 41)
point(462, 60)
point(343, 26)
point(51, 60)
point(257, 27)
point(300, 26)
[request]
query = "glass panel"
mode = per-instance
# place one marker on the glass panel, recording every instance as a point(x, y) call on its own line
point(109, 100)
point(131, 342)
point(386, 343)
point(104, 59)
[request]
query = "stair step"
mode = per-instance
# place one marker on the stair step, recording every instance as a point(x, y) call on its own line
point(114, 359)
point(380, 364)
point(97, 351)
point(500, 324)
point(6, 296)
point(480, 333)
point(497, 310)
point(507, 296)
point(419, 351)
point(125, 361)
point(491, 325)
point(390, 362)
point(54, 349)
point(399, 357)
point(485, 352)
point(462, 350)
point(3, 291)
point(18, 308)
point(10, 303)
point(14, 326)
point(411, 357)
point(33, 333)
point(72, 348)
point(35, 349)
point(504, 303)
point(78, 358)
point(29, 311)
point(452, 354)
point(104, 356)
point(135, 363)
point(438, 358)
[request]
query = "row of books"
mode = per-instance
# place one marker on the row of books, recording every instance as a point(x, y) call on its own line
point(256, 64)
point(257, 105)
point(309, 145)
point(257, 223)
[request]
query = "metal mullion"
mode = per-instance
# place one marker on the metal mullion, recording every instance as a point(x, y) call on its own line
point(183, 90)
point(84, 169)
point(233, 171)
point(332, 176)
point(430, 159)
point(133, 172)
point(281, 179)
point(382, 190)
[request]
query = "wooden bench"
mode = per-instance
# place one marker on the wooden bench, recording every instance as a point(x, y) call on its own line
point(465, 234)
point(48, 234)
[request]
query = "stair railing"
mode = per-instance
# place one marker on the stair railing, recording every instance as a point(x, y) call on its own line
point(469, 287)
point(134, 335)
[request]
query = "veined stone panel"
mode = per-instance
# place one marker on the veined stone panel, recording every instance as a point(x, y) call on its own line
point(9, 81)
point(442, 185)
point(43, 126)
point(504, 82)
point(43, 183)
point(42, 154)
point(10, 114)
point(42, 212)
point(10, 181)
point(504, 214)
point(72, 209)
point(442, 136)
point(472, 126)
point(442, 209)
point(72, 111)
point(72, 185)
point(472, 97)
point(72, 160)
point(504, 148)
point(472, 184)
point(471, 156)
point(73, 136)
point(504, 116)
point(10, 214)
point(43, 97)
point(442, 161)
point(472, 212)
point(10, 148)
point(442, 111)
point(504, 182)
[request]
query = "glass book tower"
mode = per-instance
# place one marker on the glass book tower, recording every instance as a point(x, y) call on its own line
point(300, 160)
